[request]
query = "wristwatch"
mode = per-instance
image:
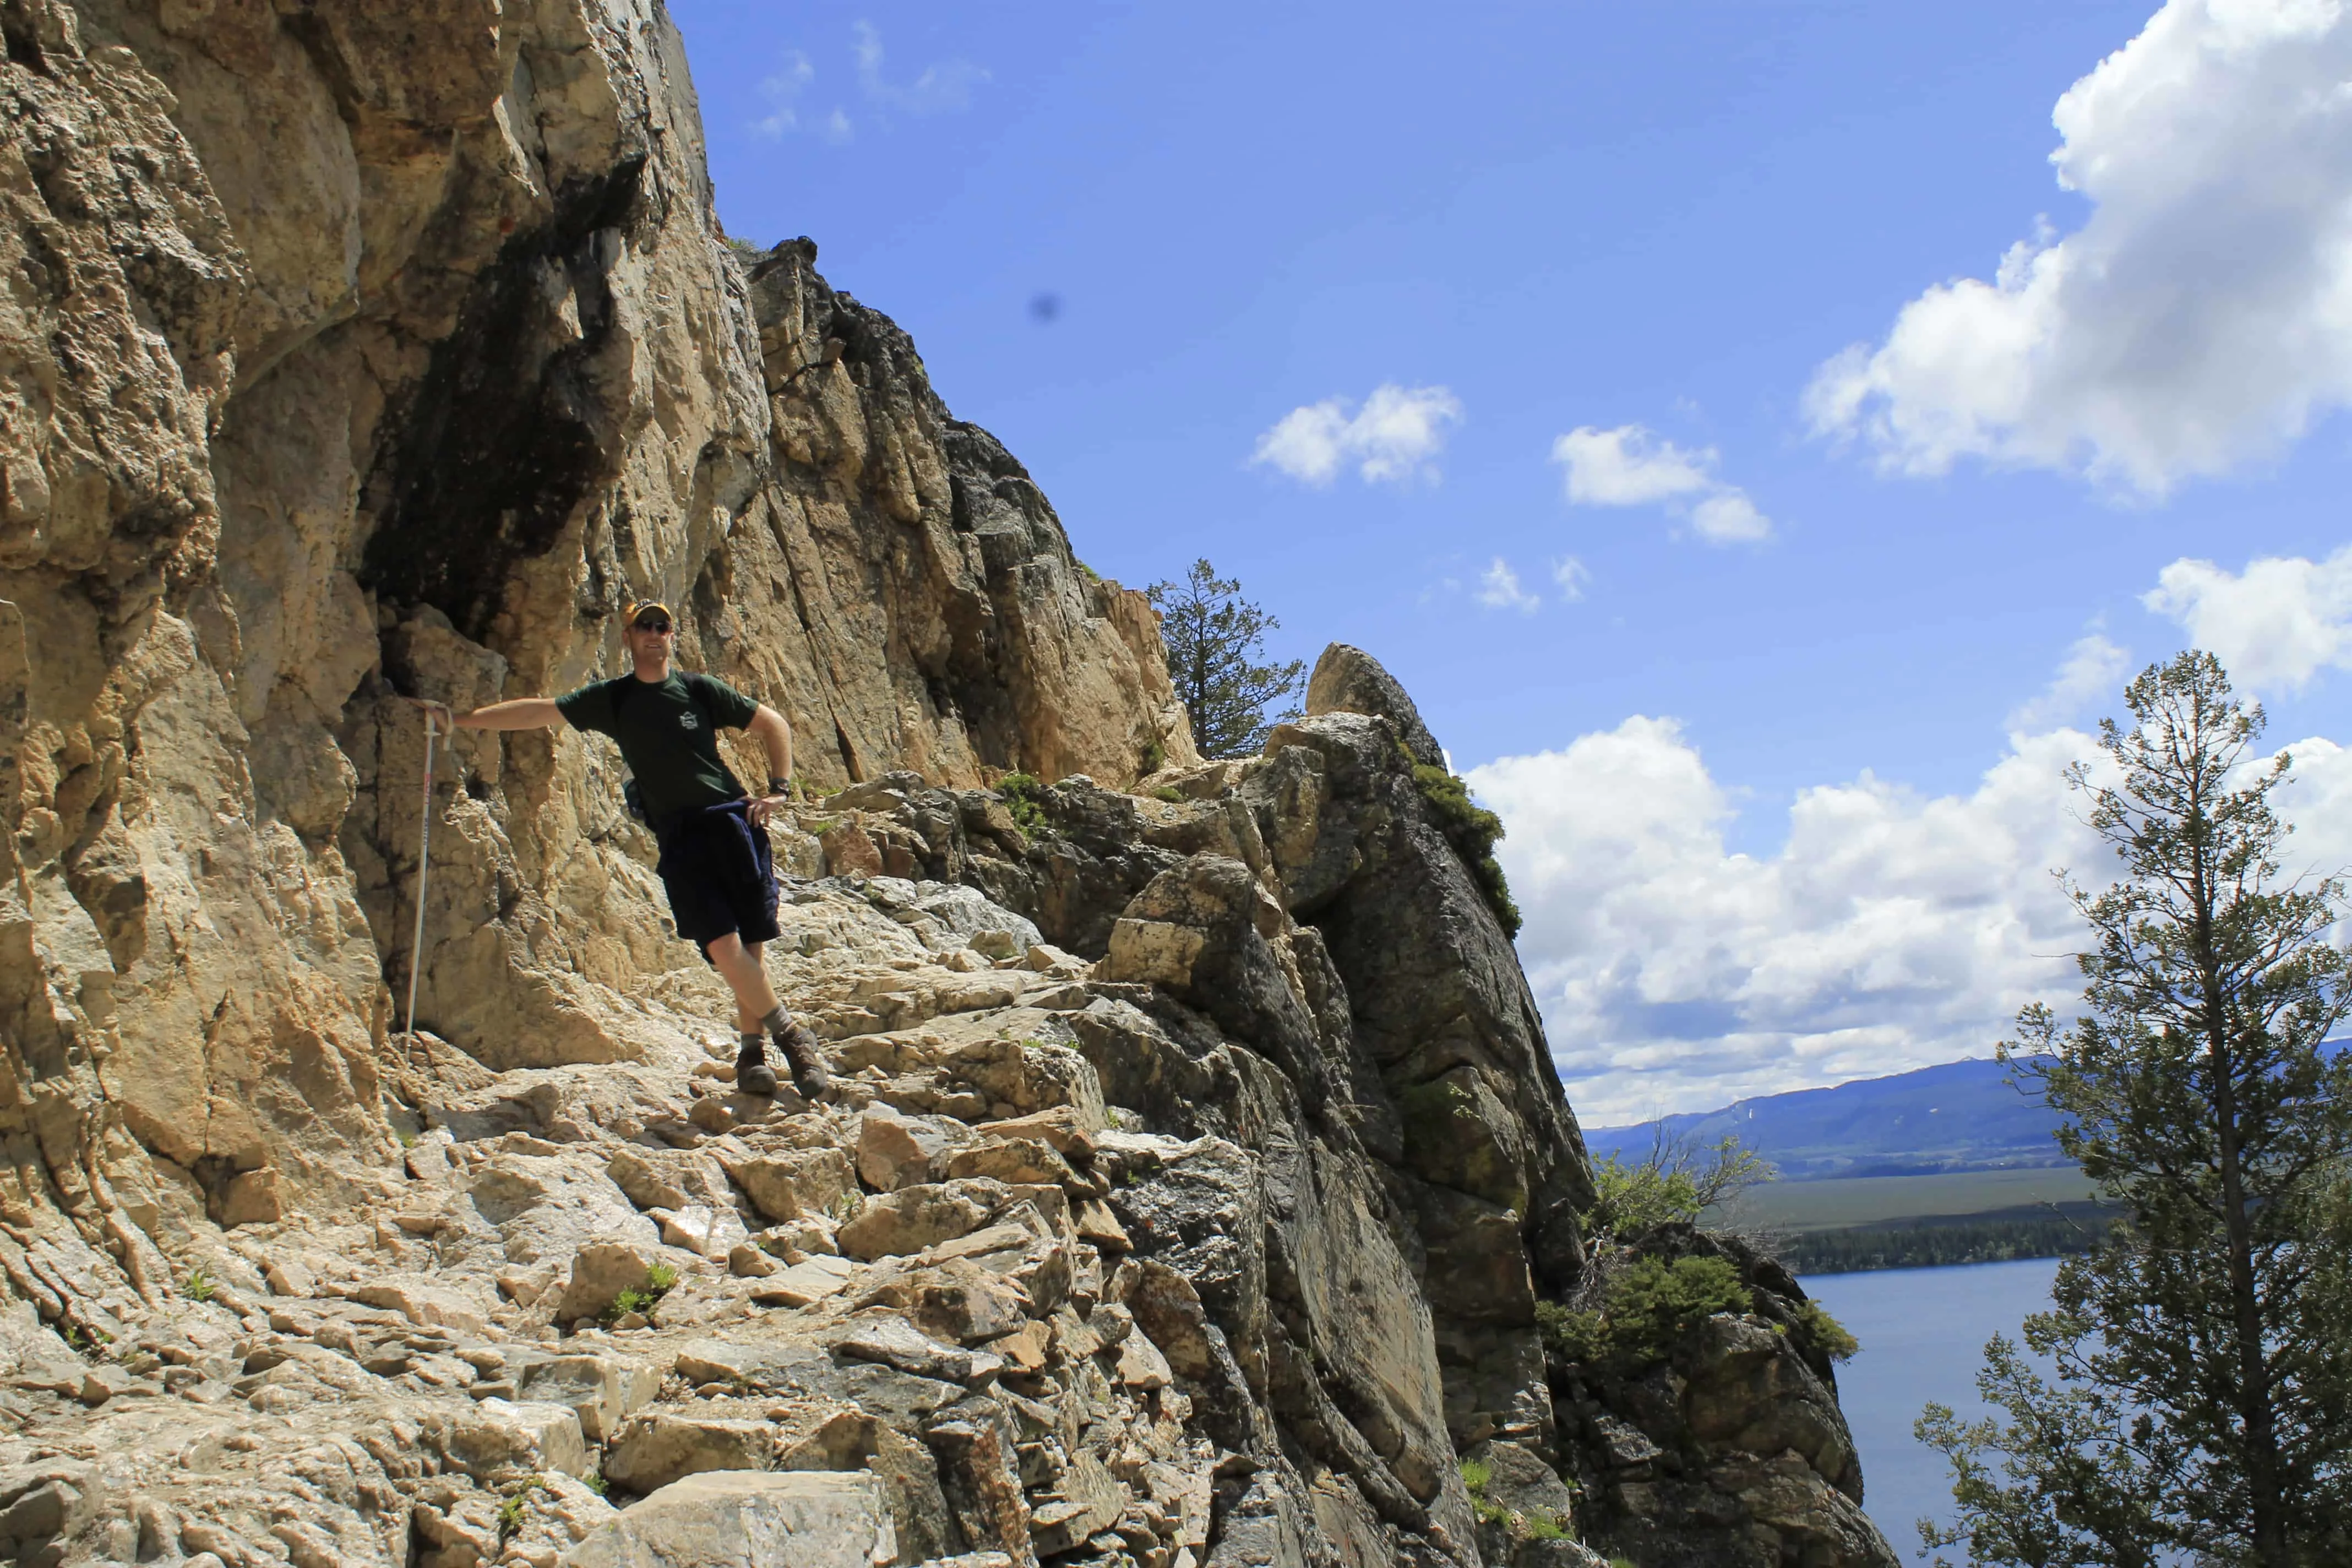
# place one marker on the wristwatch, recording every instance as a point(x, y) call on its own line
point(780, 786)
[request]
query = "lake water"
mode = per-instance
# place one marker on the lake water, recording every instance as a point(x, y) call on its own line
point(1923, 1332)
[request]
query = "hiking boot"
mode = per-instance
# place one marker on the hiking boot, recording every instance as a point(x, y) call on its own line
point(753, 1073)
point(798, 1046)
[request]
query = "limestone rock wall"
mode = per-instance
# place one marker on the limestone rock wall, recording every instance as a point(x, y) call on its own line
point(354, 350)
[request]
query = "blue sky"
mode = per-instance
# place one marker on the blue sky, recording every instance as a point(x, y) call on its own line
point(1534, 220)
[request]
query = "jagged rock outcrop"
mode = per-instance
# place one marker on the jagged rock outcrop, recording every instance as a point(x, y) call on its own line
point(1199, 1163)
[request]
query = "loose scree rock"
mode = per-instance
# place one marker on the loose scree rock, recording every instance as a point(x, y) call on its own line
point(1198, 1166)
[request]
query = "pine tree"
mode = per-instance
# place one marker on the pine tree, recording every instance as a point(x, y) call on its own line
point(2202, 1410)
point(1212, 637)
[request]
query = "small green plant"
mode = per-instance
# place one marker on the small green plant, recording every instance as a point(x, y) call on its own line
point(1473, 832)
point(1476, 1475)
point(1170, 793)
point(516, 1505)
point(598, 1484)
point(1024, 798)
point(1829, 1336)
point(1675, 1183)
point(199, 1286)
point(660, 1280)
point(1543, 1525)
point(1645, 1307)
point(407, 1138)
point(1153, 756)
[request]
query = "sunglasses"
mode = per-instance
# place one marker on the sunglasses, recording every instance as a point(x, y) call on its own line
point(653, 624)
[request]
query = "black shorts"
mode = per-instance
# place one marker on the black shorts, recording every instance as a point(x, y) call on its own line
point(720, 876)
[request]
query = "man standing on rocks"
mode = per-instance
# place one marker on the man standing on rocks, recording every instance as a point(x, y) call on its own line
point(716, 864)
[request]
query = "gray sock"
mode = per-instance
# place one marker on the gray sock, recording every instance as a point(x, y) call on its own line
point(777, 1021)
point(752, 1044)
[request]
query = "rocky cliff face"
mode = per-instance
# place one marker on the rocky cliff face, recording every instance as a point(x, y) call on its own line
point(1199, 1166)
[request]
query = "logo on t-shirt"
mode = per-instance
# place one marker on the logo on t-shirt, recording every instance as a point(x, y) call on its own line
point(689, 720)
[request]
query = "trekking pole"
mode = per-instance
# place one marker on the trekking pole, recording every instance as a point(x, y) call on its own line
point(424, 865)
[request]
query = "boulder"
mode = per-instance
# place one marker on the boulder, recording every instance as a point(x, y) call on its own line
point(600, 1272)
point(895, 1150)
point(1060, 1125)
point(809, 1519)
point(43, 1503)
point(837, 1438)
point(806, 1283)
point(424, 1303)
point(895, 1342)
point(31, 1354)
point(699, 1228)
point(1349, 680)
point(957, 1301)
point(546, 1207)
point(718, 1360)
point(646, 1186)
point(601, 1390)
point(657, 1447)
point(791, 1183)
point(1013, 1160)
point(500, 1442)
point(911, 1219)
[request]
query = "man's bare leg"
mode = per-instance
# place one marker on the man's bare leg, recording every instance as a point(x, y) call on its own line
point(741, 964)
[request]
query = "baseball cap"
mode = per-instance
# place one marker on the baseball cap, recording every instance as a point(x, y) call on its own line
point(640, 608)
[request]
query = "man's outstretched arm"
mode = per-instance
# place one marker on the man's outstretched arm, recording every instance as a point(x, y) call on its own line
point(521, 713)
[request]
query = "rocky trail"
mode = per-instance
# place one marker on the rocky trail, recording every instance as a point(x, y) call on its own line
point(1062, 1270)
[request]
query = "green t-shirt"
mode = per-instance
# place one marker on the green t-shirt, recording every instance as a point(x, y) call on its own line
point(667, 738)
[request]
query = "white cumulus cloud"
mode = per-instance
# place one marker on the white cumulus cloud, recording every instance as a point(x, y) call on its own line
point(1629, 466)
point(2274, 627)
point(1395, 435)
point(2201, 314)
point(1499, 589)
point(1891, 929)
point(2094, 673)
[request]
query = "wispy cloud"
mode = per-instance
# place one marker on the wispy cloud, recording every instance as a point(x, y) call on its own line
point(1628, 466)
point(1499, 589)
point(1394, 436)
point(941, 88)
point(2093, 671)
point(782, 93)
point(1569, 573)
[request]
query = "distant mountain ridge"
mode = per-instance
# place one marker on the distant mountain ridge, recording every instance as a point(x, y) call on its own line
point(1961, 1116)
